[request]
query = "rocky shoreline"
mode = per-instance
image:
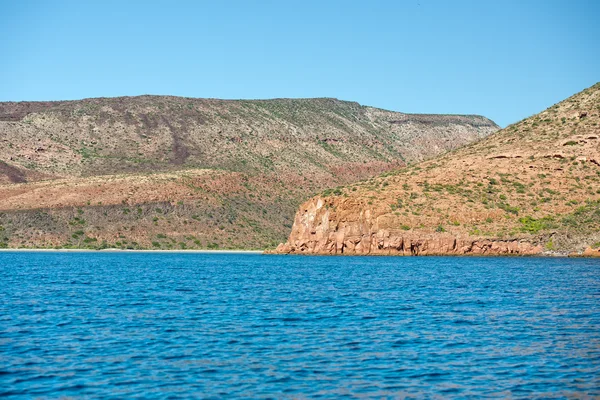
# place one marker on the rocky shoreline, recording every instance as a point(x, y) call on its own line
point(318, 230)
point(383, 243)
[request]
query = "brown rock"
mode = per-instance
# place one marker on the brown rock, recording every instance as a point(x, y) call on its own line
point(317, 230)
point(589, 252)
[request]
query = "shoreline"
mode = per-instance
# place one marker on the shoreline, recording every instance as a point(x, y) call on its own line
point(269, 253)
point(22, 250)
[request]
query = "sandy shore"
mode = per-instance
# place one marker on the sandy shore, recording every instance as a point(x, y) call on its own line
point(131, 251)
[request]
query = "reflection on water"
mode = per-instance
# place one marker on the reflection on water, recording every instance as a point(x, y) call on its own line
point(155, 325)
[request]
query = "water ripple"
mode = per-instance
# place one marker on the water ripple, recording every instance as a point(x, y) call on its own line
point(102, 325)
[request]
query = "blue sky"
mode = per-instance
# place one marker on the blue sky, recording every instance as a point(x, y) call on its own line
point(502, 59)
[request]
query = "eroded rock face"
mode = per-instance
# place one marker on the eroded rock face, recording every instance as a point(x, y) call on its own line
point(590, 252)
point(348, 227)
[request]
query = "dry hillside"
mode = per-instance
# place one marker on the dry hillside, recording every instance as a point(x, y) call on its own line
point(531, 188)
point(169, 172)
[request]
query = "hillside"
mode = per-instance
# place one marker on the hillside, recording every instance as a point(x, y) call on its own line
point(170, 172)
point(531, 188)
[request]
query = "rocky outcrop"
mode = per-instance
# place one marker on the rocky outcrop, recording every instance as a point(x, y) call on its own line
point(323, 226)
point(590, 252)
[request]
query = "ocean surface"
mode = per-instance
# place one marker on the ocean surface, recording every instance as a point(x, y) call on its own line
point(174, 325)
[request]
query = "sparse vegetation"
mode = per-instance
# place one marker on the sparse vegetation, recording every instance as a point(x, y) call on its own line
point(536, 182)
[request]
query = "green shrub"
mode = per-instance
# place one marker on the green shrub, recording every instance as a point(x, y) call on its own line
point(508, 208)
point(532, 225)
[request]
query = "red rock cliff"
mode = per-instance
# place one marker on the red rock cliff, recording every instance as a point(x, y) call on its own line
point(344, 226)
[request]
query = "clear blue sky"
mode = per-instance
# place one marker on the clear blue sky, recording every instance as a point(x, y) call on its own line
point(504, 59)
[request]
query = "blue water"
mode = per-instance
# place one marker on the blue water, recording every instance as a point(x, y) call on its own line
point(106, 325)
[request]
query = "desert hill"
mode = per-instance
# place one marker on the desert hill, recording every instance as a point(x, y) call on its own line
point(171, 172)
point(531, 188)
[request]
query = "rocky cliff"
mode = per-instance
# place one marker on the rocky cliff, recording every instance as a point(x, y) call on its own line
point(531, 188)
point(341, 226)
point(167, 172)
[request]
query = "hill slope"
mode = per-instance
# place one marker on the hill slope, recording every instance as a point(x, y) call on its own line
point(164, 172)
point(530, 188)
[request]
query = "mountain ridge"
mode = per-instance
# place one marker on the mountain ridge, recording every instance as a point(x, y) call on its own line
point(64, 160)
